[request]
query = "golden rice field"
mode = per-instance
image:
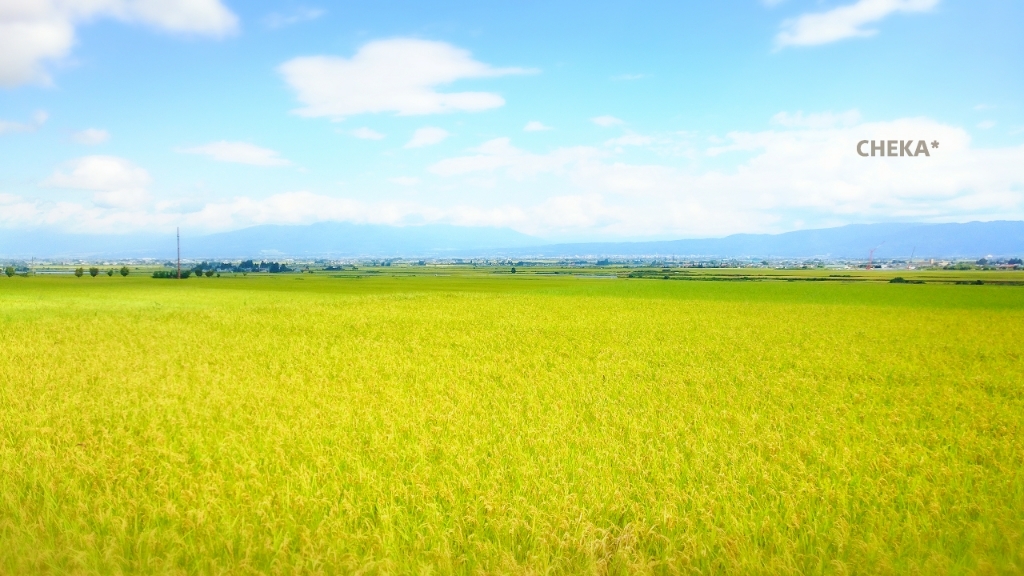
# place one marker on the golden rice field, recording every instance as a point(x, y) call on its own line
point(509, 424)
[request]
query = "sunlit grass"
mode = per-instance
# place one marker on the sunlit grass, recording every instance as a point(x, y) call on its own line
point(509, 424)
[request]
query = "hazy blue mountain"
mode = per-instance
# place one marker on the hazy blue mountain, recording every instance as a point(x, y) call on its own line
point(970, 240)
point(46, 243)
point(327, 239)
point(340, 240)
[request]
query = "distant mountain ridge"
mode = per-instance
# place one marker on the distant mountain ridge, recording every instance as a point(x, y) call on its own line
point(969, 240)
point(344, 240)
point(324, 239)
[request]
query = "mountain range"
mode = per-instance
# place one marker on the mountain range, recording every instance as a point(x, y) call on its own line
point(856, 241)
point(343, 240)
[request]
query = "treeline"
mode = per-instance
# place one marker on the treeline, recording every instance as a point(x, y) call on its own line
point(244, 266)
point(94, 271)
point(208, 269)
point(172, 274)
point(10, 271)
point(272, 267)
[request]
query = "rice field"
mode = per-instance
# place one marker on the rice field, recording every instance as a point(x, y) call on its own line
point(527, 424)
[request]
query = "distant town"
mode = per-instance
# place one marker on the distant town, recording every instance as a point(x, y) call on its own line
point(209, 268)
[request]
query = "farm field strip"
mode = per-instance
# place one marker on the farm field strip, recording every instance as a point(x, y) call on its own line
point(521, 424)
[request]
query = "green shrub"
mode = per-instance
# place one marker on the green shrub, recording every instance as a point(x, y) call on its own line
point(171, 274)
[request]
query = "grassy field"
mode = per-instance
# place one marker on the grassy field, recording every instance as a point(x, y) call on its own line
point(490, 423)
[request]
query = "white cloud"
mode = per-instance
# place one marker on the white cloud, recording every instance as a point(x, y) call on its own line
point(981, 107)
point(367, 134)
point(400, 75)
point(91, 136)
point(404, 180)
point(209, 17)
point(100, 173)
point(276, 20)
point(812, 174)
point(535, 126)
point(239, 153)
point(427, 137)
point(301, 207)
point(38, 119)
point(630, 140)
point(818, 171)
point(499, 153)
point(816, 120)
point(844, 22)
point(986, 124)
point(607, 121)
point(808, 175)
point(9, 127)
point(117, 183)
point(35, 31)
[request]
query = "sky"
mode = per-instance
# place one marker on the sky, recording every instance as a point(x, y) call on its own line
point(569, 121)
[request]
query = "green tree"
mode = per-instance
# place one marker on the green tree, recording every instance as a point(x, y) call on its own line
point(9, 271)
point(110, 272)
point(94, 271)
point(124, 270)
point(79, 271)
point(209, 273)
point(513, 269)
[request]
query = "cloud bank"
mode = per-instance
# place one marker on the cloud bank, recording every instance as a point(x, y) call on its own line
point(38, 119)
point(239, 153)
point(401, 75)
point(427, 137)
point(91, 136)
point(117, 183)
point(33, 32)
point(848, 21)
point(804, 173)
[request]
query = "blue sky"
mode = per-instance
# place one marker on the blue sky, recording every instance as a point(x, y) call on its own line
point(569, 121)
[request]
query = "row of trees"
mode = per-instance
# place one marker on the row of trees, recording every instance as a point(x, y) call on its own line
point(205, 268)
point(94, 272)
point(272, 267)
point(184, 273)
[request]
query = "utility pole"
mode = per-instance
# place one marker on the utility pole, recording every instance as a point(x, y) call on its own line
point(177, 232)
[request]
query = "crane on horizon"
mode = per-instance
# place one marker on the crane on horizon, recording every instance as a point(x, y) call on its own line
point(871, 255)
